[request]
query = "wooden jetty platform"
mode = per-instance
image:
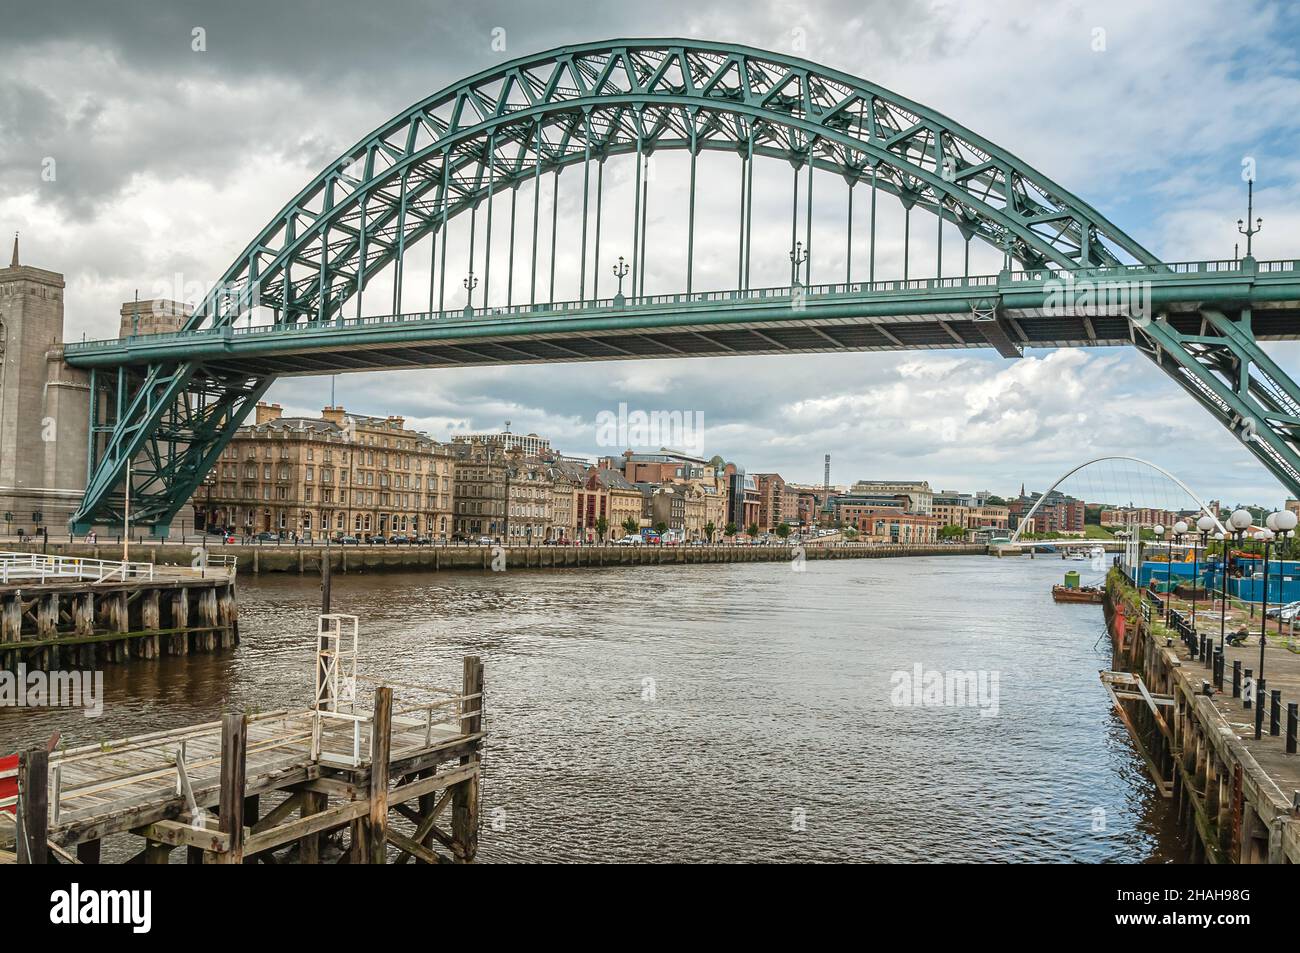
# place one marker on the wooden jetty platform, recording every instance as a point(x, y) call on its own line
point(74, 611)
point(341, 782)
point(1237, 795)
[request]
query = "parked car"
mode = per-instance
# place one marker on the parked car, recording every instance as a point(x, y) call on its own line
point(629, 540)
point(485, 540)
point(347, 541)
point(1285, 613)
point(266, 538)
point(421, 541)
point(399, 540)
point(376, 541)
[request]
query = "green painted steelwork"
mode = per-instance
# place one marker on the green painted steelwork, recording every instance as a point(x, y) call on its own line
point(541, 114)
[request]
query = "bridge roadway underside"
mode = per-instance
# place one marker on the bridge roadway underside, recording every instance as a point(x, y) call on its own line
point(415, 341)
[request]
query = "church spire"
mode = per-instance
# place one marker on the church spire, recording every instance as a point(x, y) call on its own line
point(14, 262)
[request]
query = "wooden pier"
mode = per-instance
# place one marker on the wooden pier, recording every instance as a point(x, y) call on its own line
point(341, 782)
point(1236, 795)
point(78, 612)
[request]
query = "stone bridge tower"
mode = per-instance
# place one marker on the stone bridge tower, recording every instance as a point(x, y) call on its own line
point(44, 403)
point(31, 326)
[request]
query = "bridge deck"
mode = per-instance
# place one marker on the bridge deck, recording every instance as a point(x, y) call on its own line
point(1008, 312)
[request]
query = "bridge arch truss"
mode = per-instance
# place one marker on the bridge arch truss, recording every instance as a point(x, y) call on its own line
point(445, 157)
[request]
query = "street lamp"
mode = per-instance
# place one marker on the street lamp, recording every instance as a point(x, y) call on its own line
point(1238, 523)
point(470, 283)
point(1223, 585)
point(1280, 524)
point(1284, 525)
point(1180, 530)
point(798, 255)
point(620, 272)
point(1250, 231)
point(1159, 531)
point(1200, 541)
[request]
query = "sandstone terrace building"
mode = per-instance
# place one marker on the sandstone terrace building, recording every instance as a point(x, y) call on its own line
point(338, 474)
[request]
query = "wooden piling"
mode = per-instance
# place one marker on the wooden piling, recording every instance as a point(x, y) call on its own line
point(464, 803)
point(230, 810)
point(381, 738)
point(34, 806)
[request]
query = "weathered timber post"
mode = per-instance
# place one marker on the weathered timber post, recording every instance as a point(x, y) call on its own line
point(11, 617)
point(180, 620)
point(464, 799)
point(208, 616)
point(313, 802)
point(380, 742)
point(33, 806)
point(150, 613)
point(325, 580)
point(119, 608)
point(228, 616)
point(230, 804)
point(47, 616)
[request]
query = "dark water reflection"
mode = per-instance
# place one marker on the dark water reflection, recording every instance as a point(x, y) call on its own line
point(771, 708)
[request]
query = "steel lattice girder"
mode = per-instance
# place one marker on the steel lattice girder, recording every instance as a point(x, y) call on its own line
point(1228, 373)
point(451, 151)
point(173, 430)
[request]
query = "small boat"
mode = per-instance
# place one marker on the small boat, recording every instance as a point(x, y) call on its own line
point(1092, 595)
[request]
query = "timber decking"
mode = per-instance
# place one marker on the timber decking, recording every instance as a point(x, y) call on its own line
point(180, 787)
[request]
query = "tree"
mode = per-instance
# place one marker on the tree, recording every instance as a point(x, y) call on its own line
point(995, 501)
point(661, 527)
point(850, 533)
point(730, 530)
point(783, 530)
point(753, 529)
point(630, 526)
point(952, 532)
point(709, 530)
point(602, 527)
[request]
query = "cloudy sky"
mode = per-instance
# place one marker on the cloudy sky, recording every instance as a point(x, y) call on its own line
point(169, 159)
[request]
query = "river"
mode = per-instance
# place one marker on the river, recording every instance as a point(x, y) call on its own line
point(723, 712)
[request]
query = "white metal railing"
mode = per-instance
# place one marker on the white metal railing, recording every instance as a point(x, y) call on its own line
point(41, 568)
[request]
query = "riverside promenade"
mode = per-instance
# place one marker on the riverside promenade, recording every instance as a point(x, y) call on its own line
point(272, 557)
point(1222, 747)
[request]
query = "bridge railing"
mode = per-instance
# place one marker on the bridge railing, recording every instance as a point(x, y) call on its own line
point(736, 297)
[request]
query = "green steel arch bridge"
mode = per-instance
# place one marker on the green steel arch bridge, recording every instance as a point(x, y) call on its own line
point(295, 301)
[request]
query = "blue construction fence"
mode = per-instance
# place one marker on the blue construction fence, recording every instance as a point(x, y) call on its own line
point(1245, 582)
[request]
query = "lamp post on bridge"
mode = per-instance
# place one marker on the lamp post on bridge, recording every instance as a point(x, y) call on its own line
point(470, 284)
point(798, 257)
point(1250, 231)
point(620, 272)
